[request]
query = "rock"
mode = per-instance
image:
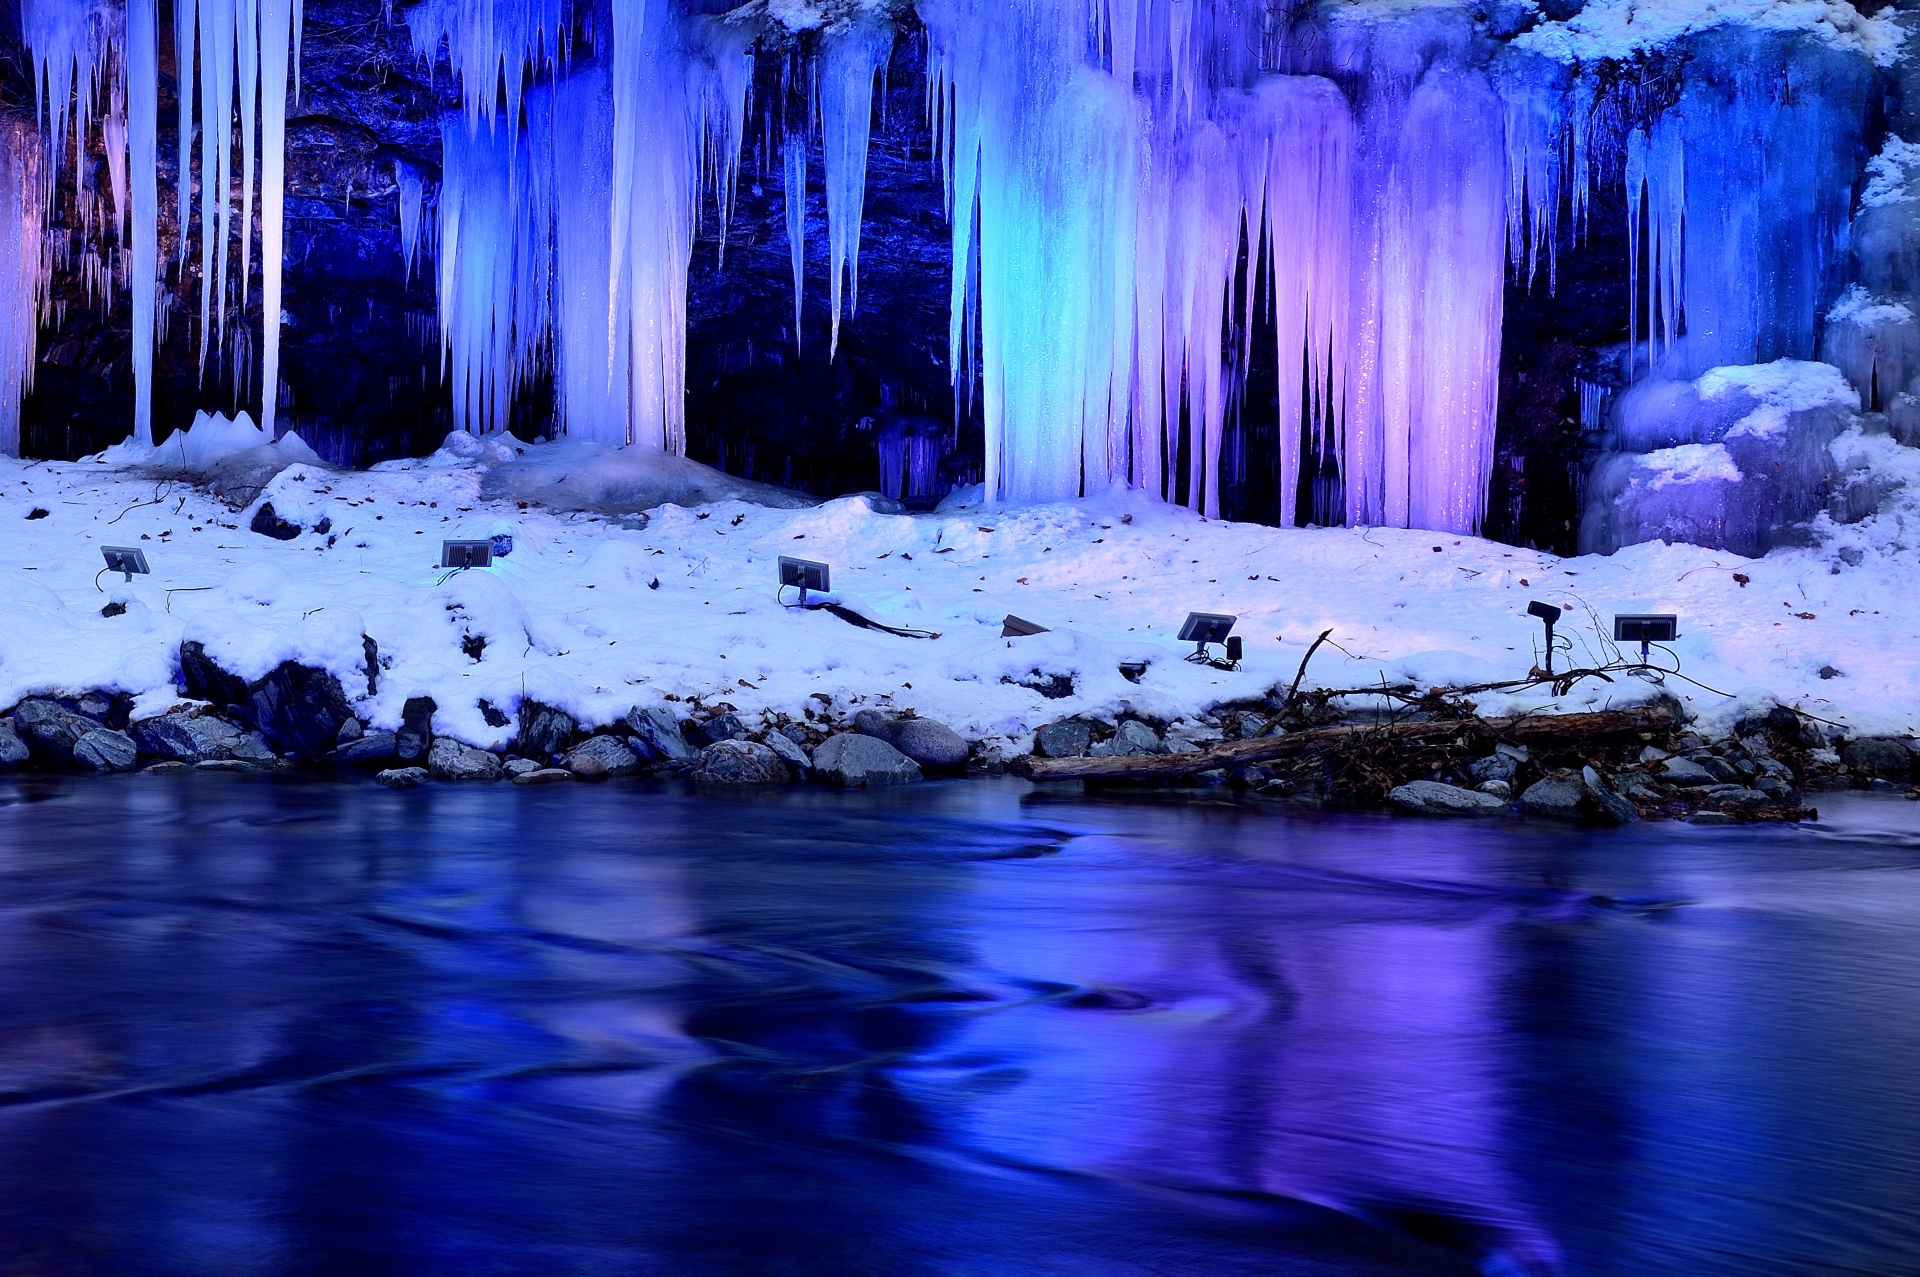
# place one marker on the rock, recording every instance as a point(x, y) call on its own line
point(1518, 753)
point(1498, 788)
point(1652, 754)
point(13, 750)
point(1496, 766)
point(1775, 769)
point(542, 776)
point(1720, 769)
point(875, 723)
point(415, 736)
point(600, 757)
point(448, 759)
point(544, 731)
point(1556, 798)
point(1604, 805)
point(1878, 756)
point(299, 709)
point(518, 767)
point(351, 730)
point(742, 762)
point(718, 728)
point(50, 729)
point(185, 736)
point(402, 777)
point(854, 760)
point(102, 750)
point(1738, 796)
point(931, 744)
point(660, 732)
point(373, 747)
point(171, 767)
point(1643, 789)
point(1067, 738)
point(226, 765)
point(790, 752)
point(203, 680)
point(1778, 790)
point(253, 747)
point(1135, 737)
point(1685, 773)
point(269, 524)
point(1431, 798)
point(1712, 818)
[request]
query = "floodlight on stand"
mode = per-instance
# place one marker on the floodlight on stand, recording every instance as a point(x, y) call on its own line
point(804, 575)
point(1646, 630)
point(466, 554)
point(125, 559)
point(1203, 628)
point(1549, 616)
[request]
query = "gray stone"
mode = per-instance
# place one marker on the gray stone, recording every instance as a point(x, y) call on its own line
point(1604, 805)
point(1738, 796)
point(853, 760)
point(253, 747)
point(1518, 753)
point(877, 723)
point(1431, 798)
point(171, 767)
point(415, 736)
point(1494, 766)
point(186, 736)
point(1685, 773)
point(1712, 818)
point(13, 750)
point(1775, 769)
point(660, 732)
point(351, 730)
point(101, 750)
point(226, 765)
point(450, 760)
point(790, 752)
point(544, 731)
point(50, 729)
point(718, 728)
point(1498, 788)
point(1135, 737)
point(1643, 789)
point(402, 777)
point(740, 762)
point(1878, 756)
point(518, 767)
point(1067, 738)
point(542, 776)
point(1556, 798)
point(931, 744)
point(299, 709)
point(1778, 790)
point(600, 757)
point(1720, 769)
point(373, 747)
point(1652, 754)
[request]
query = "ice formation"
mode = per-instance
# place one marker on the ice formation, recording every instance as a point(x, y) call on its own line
point(20, 273)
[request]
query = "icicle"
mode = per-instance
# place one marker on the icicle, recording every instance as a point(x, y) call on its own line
point(850, 57)
point(795, 152)
point(113, 135)
point(277, 28)
point(410, 192)
point(247, 88)
point(591, 362)
point(492, 44)
point(143, 159)
point(183, 59)
point(21, 281)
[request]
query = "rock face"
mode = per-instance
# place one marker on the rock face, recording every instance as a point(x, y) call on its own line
point(740, 762)
point(1878, 756)
point(13, 750)
point(932, 745)
point(854, 761)
point(298, 709)
point(50, 729)
point(450, 760)
point(659, 733)
point(102, 750)
point(1431, 798)
point(544, 731)
point(1068, 738)
point(602, 757)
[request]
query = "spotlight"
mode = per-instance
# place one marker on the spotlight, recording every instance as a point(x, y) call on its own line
point(125, 559)
point(1016, 627)
point(1646, 630)
point(466, 554)
point(1203, 628)
point(1549, 616)
point(804, 575)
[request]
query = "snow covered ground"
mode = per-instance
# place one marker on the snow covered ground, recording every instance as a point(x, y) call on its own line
point(594, 617)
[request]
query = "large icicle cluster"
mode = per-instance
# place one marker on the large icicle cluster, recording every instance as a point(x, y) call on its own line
point(88, 54)
point(21, 275)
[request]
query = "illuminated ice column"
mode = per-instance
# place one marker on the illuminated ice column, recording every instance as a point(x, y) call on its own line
point(850, 58)
point(591, 352)
point(143, 111)
point(21, 219)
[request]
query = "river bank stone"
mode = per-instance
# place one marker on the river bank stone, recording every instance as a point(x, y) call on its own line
point(298, 709)
point(451, 760)
point(740, 762)
point(1684, 773)
point(929, 743)
point(602, 757)
point(790, 752)
point(371, 748)
point(102, 750)
point(1066, 738)
point(1555, 798)
point(415, 736)
point(659, 732)
point(543, 776)
point(545, 732)
point(185, 736)
point(1878, 756)
point(402, 777)
point(50, 729)
point(855, 761)
point(1432, 798)
point(13, 750)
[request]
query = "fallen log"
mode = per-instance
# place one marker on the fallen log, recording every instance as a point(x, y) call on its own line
point(1517, 730)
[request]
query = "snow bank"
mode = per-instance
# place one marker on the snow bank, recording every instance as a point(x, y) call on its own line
point(595, 618)
point(1619, 29)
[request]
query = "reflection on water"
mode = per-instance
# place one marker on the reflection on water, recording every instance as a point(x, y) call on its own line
point(258, 1027)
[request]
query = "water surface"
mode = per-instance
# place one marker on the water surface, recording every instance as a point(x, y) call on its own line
point(249, 1026)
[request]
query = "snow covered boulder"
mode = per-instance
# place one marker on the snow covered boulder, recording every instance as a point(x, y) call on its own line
point(857, 761)
point(103, 750)
point(740, 762)
point(573, 474)
point(1431, 798)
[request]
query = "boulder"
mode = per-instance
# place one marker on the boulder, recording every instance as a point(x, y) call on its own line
point(373, 747)
point(659, 732)
point(185, 736)
point(718, 728)
point(1556, 798)
point(351, 730)
point(1722, 771)
point(601, 757)
point(1878, 756)
point(253, 747)
point(854, 760)
point(448, 759)
point(1712, 818)
point(790, 752)
point(1067, 738)
point(1431, 798)
point(203, 680)
point(50, 729)
point(544, 731)
point(876, 723)
point(1684, 773)
point(300, 710)
point(1498, 788)
point(1603, 804)
point(415, 736)
point(542, 776)
point(102, 750)
point(1130, 738)
point(268, 523)
point(13, 750)
point(929, 743)
point(518, 767)
point(1495, 766)
point(740, 762)
point(401, 777)
point(1738, 796)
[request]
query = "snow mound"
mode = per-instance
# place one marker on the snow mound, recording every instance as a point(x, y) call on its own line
point(570, 474)
point(232, 456)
